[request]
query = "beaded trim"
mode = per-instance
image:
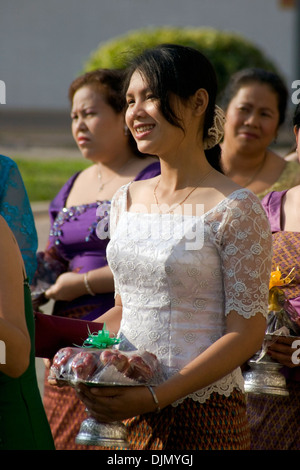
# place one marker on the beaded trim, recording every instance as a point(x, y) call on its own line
point(72, 213)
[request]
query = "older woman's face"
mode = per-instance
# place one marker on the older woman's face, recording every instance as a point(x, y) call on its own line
point(96, 127)
point(252, 117)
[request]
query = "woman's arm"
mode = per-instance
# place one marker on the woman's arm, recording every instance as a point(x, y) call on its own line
point(69, 286)
point(112, 318)
point(13, 328)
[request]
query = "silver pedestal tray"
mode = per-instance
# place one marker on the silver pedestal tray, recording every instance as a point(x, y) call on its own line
point(94, 433)
point(102, 434)
point(265, 377)
point(90, 370)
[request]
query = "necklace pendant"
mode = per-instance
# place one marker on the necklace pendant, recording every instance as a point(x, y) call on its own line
point(101, 187)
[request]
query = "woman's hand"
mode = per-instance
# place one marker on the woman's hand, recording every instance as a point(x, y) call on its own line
point(107, 404)
point(68, 287)
point(52, 380)
point(281, 350)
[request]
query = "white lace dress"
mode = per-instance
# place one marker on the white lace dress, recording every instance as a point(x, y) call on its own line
point(180, 275)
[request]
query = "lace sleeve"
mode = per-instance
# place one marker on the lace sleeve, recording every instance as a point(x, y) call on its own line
point(246, 251)
point(16, 210)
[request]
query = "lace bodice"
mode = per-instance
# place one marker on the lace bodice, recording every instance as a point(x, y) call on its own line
point(180, 275)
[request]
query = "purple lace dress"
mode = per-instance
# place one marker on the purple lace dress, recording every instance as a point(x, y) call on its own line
point(74, 246)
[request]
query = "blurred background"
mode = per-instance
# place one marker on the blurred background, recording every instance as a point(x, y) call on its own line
point(44, 45)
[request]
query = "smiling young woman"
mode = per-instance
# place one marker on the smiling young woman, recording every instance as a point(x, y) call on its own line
point(255, 102)
point(199, 308)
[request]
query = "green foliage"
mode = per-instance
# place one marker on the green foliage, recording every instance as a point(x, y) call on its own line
point(228, 52)
point(44, 178)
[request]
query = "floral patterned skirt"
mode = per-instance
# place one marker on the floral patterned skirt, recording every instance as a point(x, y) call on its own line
point(218, 424)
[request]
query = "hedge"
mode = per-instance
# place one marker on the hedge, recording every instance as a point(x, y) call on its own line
point(227, 51)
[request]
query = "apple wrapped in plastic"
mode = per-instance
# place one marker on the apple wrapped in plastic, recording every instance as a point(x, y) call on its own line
point(104, 364)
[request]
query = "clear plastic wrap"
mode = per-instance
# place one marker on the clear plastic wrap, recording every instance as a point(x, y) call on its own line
point(104, 367)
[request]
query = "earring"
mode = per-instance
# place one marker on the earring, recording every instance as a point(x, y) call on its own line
point(126, 130)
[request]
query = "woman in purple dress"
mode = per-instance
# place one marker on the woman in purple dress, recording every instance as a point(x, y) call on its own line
point(84, 287)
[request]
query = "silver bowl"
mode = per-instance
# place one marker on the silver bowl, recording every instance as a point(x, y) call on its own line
point(102, 434)
point(264, 377)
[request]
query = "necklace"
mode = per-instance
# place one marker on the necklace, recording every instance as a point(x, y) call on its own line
point(103, 184)
point(171, 210)
point(250, 180)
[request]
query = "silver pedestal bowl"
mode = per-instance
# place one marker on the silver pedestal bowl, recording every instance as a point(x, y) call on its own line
point(102, 434)
point(264, 377)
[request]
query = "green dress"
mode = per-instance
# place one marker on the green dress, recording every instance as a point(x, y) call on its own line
point(23, 421)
